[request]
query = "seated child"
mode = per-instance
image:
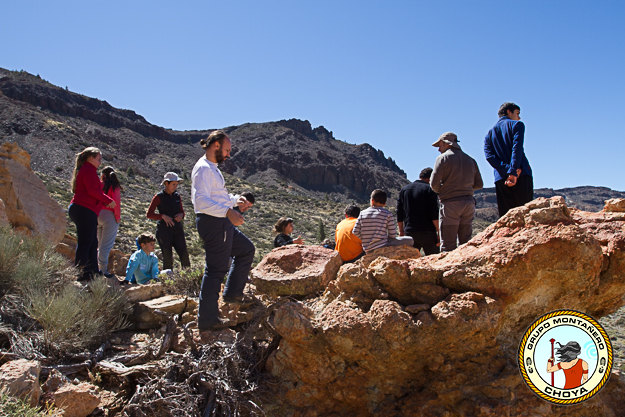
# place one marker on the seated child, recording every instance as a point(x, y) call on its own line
point(376, 226)
point(143, 264)
point(348, 245)
point(284, 228)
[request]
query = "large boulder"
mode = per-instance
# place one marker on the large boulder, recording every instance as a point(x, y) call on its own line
point(296, 270)
point(20, 378)
point(616, 205)
point(76, 400)
point(439, 335)
point(28, 205)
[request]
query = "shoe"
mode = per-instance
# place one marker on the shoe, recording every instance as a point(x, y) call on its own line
point(124, 282)
point(218, 324)
point(239, 299)
point(109, 275)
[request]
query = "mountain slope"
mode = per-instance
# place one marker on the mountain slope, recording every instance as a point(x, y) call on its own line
point(288, 151)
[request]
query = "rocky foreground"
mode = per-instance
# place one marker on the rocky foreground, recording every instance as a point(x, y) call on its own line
point(395, 334)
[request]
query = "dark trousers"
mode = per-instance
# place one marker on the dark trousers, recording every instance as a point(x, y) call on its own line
point(87, 235)
point(425, 240)
point(510, 197)
point(172, 236)
point(221, 241)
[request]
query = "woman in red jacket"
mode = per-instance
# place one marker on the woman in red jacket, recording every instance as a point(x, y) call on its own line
point(84, 208)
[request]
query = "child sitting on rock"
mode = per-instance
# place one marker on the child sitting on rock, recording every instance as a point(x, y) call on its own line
point(284, 228)
point(143, 264)
point(376, 226)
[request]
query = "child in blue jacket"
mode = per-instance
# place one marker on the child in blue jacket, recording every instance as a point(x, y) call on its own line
point(143, 264)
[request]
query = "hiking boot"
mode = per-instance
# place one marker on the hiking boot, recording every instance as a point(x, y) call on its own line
point(208, 335)
point(242, 300)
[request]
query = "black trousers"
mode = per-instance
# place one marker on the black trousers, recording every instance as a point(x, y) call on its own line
point(510, 197)
point(87, 235)
point(425, 240)
point(172, 237)
point(222, 241)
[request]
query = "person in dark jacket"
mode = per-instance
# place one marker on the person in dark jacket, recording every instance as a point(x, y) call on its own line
point(284, 228)
point(417, 213)
point(169, 230)
point(503, 147)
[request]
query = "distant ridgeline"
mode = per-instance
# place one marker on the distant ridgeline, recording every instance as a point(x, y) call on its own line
point(289, 154)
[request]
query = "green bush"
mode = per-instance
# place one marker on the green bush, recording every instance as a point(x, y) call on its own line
point(15, 407)
point(185, 281)
point(77, 318)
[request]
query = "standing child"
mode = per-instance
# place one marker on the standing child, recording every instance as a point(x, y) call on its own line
point(169, 230)
point(108, 219)
point(84, 208)
point(143, 264)
point(284, 228)
point(376, 226)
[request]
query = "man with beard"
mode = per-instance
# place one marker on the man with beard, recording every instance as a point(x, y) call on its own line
point(216, 220)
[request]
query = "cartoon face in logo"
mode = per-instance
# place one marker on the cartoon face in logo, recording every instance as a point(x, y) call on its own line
point(565, 357)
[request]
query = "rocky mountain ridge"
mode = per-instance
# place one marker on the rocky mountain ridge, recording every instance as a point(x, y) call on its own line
point(288, 154)
point(283, 152)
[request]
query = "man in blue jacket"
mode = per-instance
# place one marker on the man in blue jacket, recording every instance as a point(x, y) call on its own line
point(503, 147)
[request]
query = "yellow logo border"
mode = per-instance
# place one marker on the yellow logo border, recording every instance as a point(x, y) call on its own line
point(549, 398)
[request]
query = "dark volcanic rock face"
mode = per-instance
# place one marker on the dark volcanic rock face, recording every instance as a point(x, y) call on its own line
point(311, 158)
point(288, 151)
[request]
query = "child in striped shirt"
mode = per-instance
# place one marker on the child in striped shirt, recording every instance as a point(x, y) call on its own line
point(376, 226)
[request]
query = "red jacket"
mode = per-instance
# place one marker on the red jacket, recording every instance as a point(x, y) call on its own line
point(89, 192)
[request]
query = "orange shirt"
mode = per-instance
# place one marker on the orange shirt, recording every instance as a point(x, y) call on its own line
point(347, 243)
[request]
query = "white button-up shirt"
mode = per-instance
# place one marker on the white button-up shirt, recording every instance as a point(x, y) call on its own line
point(208, 189)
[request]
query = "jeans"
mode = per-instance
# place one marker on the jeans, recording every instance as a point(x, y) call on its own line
point(221, 241)
point(87, 240)
point(107, 231)
point(455, 218)
point(400, 241)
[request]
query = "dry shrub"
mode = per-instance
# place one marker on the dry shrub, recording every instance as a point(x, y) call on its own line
point(77, 318)
point(29, 264)
point(15, 407)
point(185, 281)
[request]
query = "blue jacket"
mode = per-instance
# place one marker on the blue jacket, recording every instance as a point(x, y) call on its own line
point(503, 147)
point(142, 267)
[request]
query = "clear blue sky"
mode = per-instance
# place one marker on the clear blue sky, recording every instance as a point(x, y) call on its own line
point(395, 74)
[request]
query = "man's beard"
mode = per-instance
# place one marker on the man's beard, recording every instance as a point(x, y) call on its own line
point(220, 157)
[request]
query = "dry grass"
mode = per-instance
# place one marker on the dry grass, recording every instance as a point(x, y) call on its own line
point(15, 407)
point(75, 318)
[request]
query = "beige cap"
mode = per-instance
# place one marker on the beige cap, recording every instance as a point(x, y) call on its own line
point(449, 138)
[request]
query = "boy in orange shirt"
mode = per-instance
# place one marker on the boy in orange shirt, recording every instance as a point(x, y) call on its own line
point(348, 244)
